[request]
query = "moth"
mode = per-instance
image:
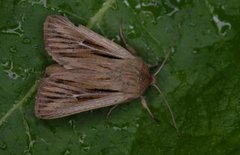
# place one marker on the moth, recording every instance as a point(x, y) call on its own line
point(91, 72)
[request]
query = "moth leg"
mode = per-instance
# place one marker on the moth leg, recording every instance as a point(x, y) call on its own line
point(123, 40)
point(109, 112)
point(152, 66)
point(145, 106)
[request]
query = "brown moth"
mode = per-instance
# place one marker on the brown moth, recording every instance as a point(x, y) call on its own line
point(91, 72)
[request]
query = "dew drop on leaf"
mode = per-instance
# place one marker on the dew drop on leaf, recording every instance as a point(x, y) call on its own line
point(15, 29)
point(8, 68)
point(26, 40)
point(195, 52)
point(3, 145)
point(13, 49)
point(67, 152)
point(222, 26)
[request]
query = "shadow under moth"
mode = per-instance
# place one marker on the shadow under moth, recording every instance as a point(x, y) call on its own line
point(91, 72)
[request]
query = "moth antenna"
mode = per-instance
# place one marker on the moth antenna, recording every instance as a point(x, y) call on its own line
point(163, 63)
point(168, 106)
point(121, 33)
point(123, 40)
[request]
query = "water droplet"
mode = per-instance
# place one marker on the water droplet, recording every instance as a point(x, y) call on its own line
point(13, 49)
point(65, 6)
point(8, 68)
point(86, 148)
point(119, 127)
point(114, 6)
point(3, 145)
point(13, 75)
point(23, 18)
point(44, 141)
point(25, 73)
point(150, 9)
point(5, 64)
point(192, 24)
point(94, 129)
point(138, 6)
point(116, 38)
point(182, 75)
point(173, 50)
point(222, 26)
point(26, 40)
point(209, 31)
point(194, 51)
point(126, 3)
point(71, 122)
point(15, 72)
point(131, 33)
point(40, 2)
point(16, 29)
point(172, 9)
point(210, 7)
point(36, 46)
point(67, 152)
point(81, 138)
point(156, 9)
point(30, 139)
point(137, 125)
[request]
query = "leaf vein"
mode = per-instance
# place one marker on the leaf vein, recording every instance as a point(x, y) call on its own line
point(100, 13)
point(18, 104)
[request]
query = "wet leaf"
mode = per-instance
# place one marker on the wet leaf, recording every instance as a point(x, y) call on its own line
point(200, 80)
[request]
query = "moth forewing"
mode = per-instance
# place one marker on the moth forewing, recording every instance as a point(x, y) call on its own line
point(91, 71)
point(72, 37)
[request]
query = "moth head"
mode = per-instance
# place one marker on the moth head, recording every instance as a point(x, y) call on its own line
point(146, 79)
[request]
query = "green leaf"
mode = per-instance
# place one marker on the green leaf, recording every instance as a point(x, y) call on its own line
point(200, 80)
